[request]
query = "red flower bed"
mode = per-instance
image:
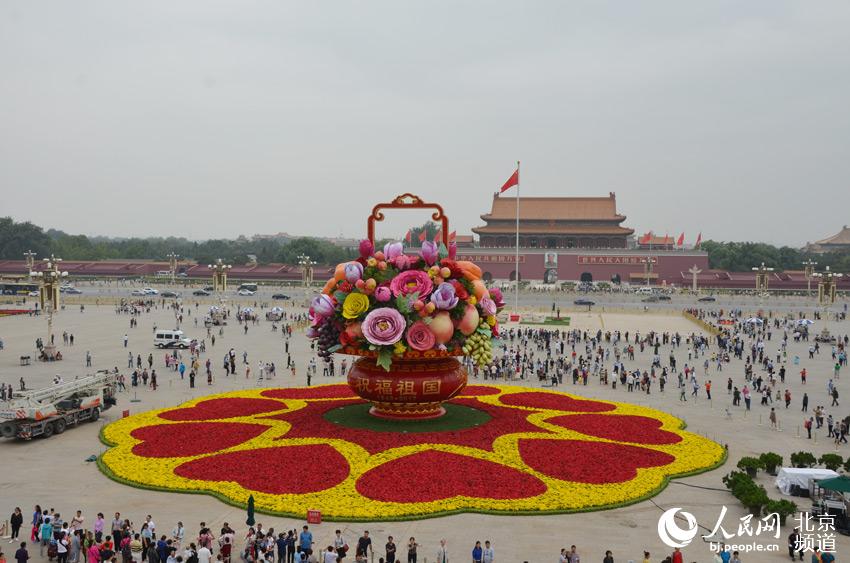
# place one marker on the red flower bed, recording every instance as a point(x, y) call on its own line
point(589, 462)
point(435, 475)
point(321, 392)
point(309, 422)
point(223, 408)
point(192, 438)
point(535, 400)
point(478, 391)
point(623, 428)
point(278, 471)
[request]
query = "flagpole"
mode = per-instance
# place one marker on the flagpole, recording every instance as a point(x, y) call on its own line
point(516, 256)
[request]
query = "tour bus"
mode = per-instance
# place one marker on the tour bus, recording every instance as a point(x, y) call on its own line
point(252, 287)
point(170, 339)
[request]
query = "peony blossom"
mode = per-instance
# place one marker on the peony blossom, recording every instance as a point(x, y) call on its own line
point(392, 250)
point(383, 294)
point(353, 272)
point(444, 297)
point(488, 306)
point(383, 326)
point(402, 262)
point(419, 337)
point(412, 281)
point(322, 305)
point(429, 252)
point(497, 297)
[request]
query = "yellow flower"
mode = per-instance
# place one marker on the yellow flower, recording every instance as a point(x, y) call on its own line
point(491, 320)
point(354, 305)
point(472, 300)
point(399, 348)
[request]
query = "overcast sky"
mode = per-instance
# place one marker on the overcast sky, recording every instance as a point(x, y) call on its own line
point(213, 119)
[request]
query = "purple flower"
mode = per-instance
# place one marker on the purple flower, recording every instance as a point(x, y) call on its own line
point(488, 306)
point(444, 297)
point(383, 293)
point(353, 272)
point(366, 248)
point(322, 305)
point(383, 326)
point(497, 297)
point(429, 252)
point(312, 332)
point(392, 250)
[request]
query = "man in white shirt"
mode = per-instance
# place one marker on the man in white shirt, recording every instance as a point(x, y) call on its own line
point(330, 555)
point(488, 554)
point(204, 555)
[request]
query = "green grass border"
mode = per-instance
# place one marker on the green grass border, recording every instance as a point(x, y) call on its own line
point(327, 518)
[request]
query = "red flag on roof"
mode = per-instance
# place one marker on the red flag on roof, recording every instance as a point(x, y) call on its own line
point(699, 240)
point(645, 238)
point(681, 240)
point(423, 235)
point(512, 181)
point(408, 236)
point(452, 236)
point(439, 235)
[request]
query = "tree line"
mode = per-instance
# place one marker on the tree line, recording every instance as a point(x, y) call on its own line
point(19, 237)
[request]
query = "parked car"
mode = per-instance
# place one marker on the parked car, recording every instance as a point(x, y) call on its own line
point(209, 288)
point(707, 299)
point(201, 293)
point(169, 294)
point(32, 294)
point(280, 296)
point(664, 298)
point(138, 292)
point(73, 291)
point(171, 339)
point(650, 299)
point(245, 292)
point(150, 291)
point(584, 302)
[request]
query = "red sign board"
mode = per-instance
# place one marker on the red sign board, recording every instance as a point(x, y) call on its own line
point(604, 259)
point(314, 517)
point(125, 414)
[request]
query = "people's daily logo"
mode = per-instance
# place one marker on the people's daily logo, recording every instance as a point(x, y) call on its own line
point(670, 532)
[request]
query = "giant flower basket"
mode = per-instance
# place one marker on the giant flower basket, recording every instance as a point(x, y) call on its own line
point(407, 316)
point(498, 449)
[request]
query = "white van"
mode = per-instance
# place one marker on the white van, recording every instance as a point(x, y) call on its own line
point(170, 339)
point(645, 290)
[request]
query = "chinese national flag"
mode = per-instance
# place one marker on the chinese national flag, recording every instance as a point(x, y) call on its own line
point(407, 237)
point(423, 235)
point(452, 236)
point(699, 240)
point(439, 235)
point(681, 240)
point(645, 238)
point(512, 181)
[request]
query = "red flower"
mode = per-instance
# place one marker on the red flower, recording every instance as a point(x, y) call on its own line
point(460, 290)
point(452, 265)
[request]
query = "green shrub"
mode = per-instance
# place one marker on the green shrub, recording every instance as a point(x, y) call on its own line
point(771, 461)
point(831, 461)
point(784, 508)
point(750, 463)
point(803, 459)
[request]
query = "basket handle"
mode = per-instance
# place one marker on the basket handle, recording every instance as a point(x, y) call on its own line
point(408, 201)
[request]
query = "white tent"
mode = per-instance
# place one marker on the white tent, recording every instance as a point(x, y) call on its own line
point(801, 476)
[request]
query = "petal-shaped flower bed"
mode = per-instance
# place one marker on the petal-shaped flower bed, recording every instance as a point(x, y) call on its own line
point(307, 448)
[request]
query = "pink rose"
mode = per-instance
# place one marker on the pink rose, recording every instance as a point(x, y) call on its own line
point(420, 337)
point(383, 294)
point(488, 306)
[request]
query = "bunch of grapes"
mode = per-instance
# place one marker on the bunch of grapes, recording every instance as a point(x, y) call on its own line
point(479, 345)
point(328, 338)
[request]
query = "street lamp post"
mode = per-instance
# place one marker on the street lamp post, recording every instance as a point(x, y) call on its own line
point(306, 269)
point(809, 271)
point(219, 270)
point(30, 256)
point(694, 271)
point(172, 265)
point(647, 268)
point(762, 273)
point(827, 284)
point(49, 297)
